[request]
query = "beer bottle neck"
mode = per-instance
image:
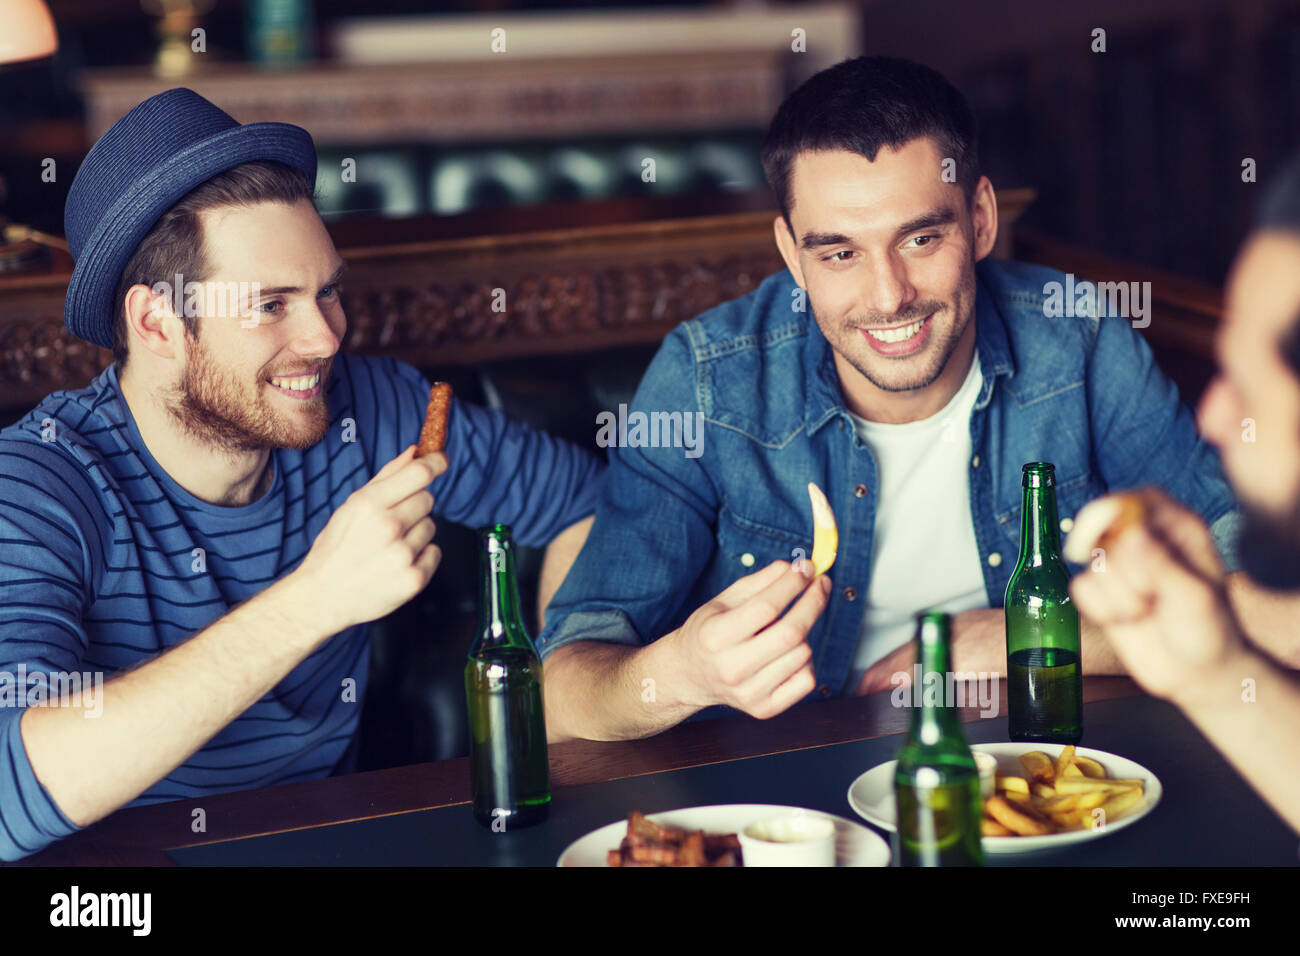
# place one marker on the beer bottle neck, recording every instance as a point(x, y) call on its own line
point(1038, 524)
point(501, 623)
point(936, 717)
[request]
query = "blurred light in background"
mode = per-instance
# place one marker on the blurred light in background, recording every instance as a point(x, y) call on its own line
point(28, 31)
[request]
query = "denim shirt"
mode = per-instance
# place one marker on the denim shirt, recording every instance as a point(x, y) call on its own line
point(673, 529)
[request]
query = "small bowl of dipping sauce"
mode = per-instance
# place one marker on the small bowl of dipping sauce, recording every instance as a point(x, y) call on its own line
point(800, 838)
point(987, 765)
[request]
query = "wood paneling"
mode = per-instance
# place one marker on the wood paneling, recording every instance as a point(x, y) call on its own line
point(567, 291)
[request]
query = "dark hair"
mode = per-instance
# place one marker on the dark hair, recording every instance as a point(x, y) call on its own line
point(175, 243)
point(863, 104)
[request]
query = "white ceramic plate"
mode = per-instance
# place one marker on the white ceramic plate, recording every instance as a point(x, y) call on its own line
point(855, 845)
point(872, 795)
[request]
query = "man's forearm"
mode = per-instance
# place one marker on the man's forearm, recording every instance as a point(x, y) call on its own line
point(1096, 654)
point(596, 690)
point(1251, 717)
point(156, 716)
point(979, 644)
point(556, 562)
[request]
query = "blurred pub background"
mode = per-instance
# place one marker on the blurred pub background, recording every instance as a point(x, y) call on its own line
point(518, 160)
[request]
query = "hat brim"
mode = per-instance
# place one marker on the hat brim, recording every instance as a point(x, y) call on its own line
point(89, 308)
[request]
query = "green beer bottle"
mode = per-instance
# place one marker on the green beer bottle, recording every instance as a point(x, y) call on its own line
point(503, 687)
point(936, 783)
point(1044, 675)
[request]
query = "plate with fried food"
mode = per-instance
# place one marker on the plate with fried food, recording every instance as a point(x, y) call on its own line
point(709, 836)
point(1045, 796)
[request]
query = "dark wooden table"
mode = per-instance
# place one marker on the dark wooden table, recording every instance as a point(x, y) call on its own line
point(141, 836)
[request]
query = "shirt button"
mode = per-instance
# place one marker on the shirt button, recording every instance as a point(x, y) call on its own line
point(995, 559)
point(860, 491)
point(850, 594)
point(747, 559)
point(1067, 525)
point(824, 690)
point(975, 462)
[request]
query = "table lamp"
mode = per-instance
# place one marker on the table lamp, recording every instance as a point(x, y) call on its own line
point(28, 35)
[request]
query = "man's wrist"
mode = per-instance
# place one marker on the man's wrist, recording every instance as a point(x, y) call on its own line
point(662, 662)
point(1230, 682)
point(978, 639)
point(291, 601)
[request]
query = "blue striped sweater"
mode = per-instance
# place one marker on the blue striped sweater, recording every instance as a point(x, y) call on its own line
point(105, 562)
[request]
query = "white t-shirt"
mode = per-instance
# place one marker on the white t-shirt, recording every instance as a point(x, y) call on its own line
point(924, 554)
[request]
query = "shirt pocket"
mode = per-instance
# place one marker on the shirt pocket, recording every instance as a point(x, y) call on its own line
point(1070, 500)
point(746, 545)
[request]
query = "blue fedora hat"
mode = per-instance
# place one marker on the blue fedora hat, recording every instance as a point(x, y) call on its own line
point(146, 162)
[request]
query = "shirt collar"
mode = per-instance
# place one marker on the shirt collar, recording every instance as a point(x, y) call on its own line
point(990, 338)
point(823, 400)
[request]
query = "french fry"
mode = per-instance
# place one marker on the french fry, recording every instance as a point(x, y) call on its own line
point(1058, 795)
point(1026, 804)
point(1015, 817)
point(1091, 785)
point(1075, 819)
point(1015, 784)
point(991, 827)
point(1117, 804)
point(1099, 523)
point(1089, 767)
point(1064, 759)
point(1089, 800)
point(1039, 766)
point(1060, 804)
point(826, 536)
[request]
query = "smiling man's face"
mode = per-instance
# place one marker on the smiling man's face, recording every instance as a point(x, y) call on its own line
point(886, 251)
point(255, 375)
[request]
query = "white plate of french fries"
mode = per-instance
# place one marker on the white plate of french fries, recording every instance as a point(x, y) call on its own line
point(1045, 796)
point(855, 845)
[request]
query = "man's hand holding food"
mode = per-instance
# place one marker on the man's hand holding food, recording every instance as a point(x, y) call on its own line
point(744, 649)
point(1160, 597)
point(1156, 586)
point(747, 648)
point(377, 551)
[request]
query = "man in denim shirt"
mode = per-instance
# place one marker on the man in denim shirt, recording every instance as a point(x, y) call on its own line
point(902, 371)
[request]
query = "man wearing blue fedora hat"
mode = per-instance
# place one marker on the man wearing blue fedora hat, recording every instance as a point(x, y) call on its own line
point(213, 522)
